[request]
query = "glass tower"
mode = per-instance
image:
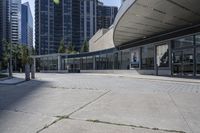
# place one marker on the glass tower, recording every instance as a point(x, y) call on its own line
point(105, 15)
point(4, 23)
point(15, 19)
point(71, 21)
point(26, 25)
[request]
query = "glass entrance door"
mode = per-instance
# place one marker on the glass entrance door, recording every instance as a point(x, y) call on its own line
point(183, 62)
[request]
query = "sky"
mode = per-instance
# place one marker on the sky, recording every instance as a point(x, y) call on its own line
point(106, 2)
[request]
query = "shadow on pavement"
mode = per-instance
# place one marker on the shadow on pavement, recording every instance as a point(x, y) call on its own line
point(13, 94)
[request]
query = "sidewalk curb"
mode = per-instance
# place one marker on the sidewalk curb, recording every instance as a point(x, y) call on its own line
point(196, 82)
point(14, 83)
point(172, 79)
point(2, 79)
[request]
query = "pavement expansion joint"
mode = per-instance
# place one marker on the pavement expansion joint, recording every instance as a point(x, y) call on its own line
point(135, 126)
point(68, 116)
point(73, 88)
point(180, 112)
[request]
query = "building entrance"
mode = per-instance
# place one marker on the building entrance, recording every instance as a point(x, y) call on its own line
point(183, 62)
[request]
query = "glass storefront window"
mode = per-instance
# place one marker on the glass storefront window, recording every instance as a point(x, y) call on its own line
point(197, 40)
point(148, 57)
point(125, 59)
point(116, 60)
point(46, 65)
point(54, 63)
point(104, 62)
point(135, 58)
point(97, 64)
point(89, 63)
point(163, 56)
point(183, 42)
point(198, 61)
point(84, 63)
point(110, 61)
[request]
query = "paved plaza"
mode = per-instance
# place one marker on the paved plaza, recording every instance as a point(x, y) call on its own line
point(100, 103)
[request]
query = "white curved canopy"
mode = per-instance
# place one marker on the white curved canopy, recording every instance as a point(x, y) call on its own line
point(139, 19)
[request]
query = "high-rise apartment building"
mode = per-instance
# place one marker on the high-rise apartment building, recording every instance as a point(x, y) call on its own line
point(4, 23)
point(70, 21)
point(88, 12)
point(15, 21)
point(105, 15)
point(26, 25)
point(44, 26)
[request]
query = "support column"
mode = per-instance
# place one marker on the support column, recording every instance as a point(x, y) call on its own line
point(33, 68)
point(59, 63)
point(170, 57)
point(155, 60)
point(140, 60)
point(194, 59)
point(94, 63)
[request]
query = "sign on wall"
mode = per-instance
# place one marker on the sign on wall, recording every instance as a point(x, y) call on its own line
point(135, 58)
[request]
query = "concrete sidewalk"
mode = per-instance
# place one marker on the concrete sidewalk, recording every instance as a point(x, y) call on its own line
point(151, 77)
point(97, 103)
point(16, 79)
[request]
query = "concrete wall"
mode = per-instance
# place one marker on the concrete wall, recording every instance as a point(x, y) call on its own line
point(103, 39)
point(133, 72)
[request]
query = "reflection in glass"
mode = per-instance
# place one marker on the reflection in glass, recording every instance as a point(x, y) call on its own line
point(116, 60)
point(183, 62)
point(197, 40)
point(89, 63)
point(183, 42)
point(177, 57)
point(177, 63)
point(148, 57)
point(188, 59)
point(163, 56)
point(125, 59)
point(110, 61)
point(198, 60)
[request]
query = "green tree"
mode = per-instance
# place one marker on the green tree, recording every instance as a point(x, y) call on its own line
point(16, 50)
point(7, 56)
point(70, 49)
point(56, 1)
point(61, 48)
point(85, 47)
point(6, 52)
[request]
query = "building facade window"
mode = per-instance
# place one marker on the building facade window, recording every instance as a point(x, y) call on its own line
point(197, 40)
point(183, 42)
point(125, 59)
point(89, 62)
point(198, 61)
point(162, 55)
point(183, 56)
point(148, 57)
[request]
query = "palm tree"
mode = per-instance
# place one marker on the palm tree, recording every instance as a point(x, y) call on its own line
point(7, 58)
point(85, 47)
point(61, 48)
point(16, 55)
point(25, 57)
point(70, 49)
